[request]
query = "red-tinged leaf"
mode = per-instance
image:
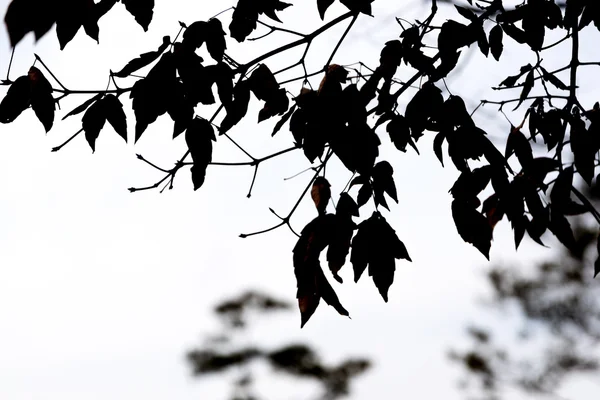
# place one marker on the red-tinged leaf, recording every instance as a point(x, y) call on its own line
point(321, 194)
point(113, 110)
point(83, 106)
point(24, 16)
point(42, 101)
point(143, 60)
point(323, 5)
point(283, 120)
point(308, 305)
point(17, 100)
point(437, 146)
point(364, 194)
point(142, 10)
point(496, 46)
point(92, 123)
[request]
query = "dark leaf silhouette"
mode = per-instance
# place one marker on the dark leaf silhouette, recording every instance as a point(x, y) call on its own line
point(92, 123)
point(199, 136)
point(399, 132)
point(437, 146)
point(113, 110)
point(518, 143)
point(339, 245)
point(364, 194)
point(496, 46)
point(323, 5)
point(426, 104)
point(561, 228)
point(17, 100)
point(142, 10)
point(465, 12)
point(246, 14)
point(143, 60)
point(321, 194)
point(376, 245)
point(472, 226)
point(347, 206)
point(211, 33)
point(283, 120)
point(83, 106)
point(42, 101)
point(383, 182)
point(527, 86)
point(24, 16)
point(311, 282)
point(553, 79)
point(238, 108)
point(363, 6)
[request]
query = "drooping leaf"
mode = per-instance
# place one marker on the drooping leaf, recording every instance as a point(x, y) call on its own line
point(399, 131)
point(283, 120)
point(246, 14)
point(17, 100)
point(238, 108)
point(496, 46)
point(113, 110)
point(42, 101)
point(347, 206)
point(24, 16)
point(383, 182)
point(143, 60)
point(364, 194)
point(472, 226)
point(527, 86)
point(561, 228)
point(339, 245)
point(142, 10)
point(83, 106)
point(377, 245)
point(92, 123)
point(437, 146)
point(199, 136)
point(321, 194)
point(323, 5)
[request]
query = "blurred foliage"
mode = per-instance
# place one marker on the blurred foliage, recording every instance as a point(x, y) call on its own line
point(221, 354)
point(559, 302)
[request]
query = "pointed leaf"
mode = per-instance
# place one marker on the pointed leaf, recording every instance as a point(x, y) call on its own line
point(113, 110)
point(17, 100)
point(92, 123)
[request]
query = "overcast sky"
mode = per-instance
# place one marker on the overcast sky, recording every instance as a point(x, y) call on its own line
point(102, 292)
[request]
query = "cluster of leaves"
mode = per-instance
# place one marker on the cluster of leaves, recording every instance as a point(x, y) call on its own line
point(38, 16)
point(297, 360)
point(559, 303)
point(332, 122)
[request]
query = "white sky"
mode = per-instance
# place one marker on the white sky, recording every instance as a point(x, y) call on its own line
point(102, 291)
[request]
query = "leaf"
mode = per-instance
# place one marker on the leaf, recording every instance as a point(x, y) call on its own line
point(42, 101)
point(383, 181)
point(465, 12)
point(364, 194)
point(425, 105)
point(518, 143)
point(215, 43)
point(238, 108)
point(83, 106)
point(346, 206)
point(323, 5)
point(437, 146)
point(496, 46)
point(517, 34)
point(17, 100)
point(24, 16)
point(339, 245)
point(472, 226)
point(277, 104)
point(470, 183)
point(363, 6)
point(198, 137)
point(527, 86)
point(399, 131)
point(553, 79)
point(321, 194)
point(561, 228)
point(246, 14)
point(561, 191)
point(597, 262)
point(377, 245)
point(143, 60)
point(92, 123)
point(283, 120)
point(142, 10)
point(113, 110)
point(311, 282)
